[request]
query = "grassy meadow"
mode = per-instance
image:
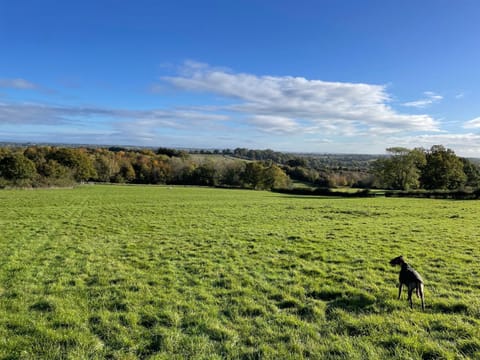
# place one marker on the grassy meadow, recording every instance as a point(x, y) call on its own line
point(131, 272)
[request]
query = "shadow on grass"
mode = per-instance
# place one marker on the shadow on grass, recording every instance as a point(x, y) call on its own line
point(43, 306)
point(348, 301)
point(455, 308)
point(353, 302)
point(325, 294)
point(470, 347)
point(396, 344)
point(360, 302)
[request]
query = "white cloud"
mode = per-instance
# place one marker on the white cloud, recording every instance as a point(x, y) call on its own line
point(33, 113)
point(430, 98)
point(22, 84)
point(17, 84)
point(467, 144)
point(315, 103)
point(98, 125)
point(472, 124)
point(275, 124)
point(27, 113)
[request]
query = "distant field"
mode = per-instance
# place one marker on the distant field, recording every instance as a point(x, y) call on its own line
point(214, 157)
point(127, 272)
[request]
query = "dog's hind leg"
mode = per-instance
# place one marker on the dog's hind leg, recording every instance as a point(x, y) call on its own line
point(420, 293)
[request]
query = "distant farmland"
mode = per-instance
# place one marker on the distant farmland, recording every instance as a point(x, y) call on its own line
point(127, 272)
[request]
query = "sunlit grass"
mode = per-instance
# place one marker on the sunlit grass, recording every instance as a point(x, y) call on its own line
point(155, 272)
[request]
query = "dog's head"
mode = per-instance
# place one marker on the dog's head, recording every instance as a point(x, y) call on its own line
point(397, 261)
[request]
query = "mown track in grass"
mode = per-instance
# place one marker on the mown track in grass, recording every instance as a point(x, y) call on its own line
point(155, 272)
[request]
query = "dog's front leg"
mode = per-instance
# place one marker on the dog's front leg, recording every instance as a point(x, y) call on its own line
point(399, 290)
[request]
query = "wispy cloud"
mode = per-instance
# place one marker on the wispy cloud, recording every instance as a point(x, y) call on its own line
point(271, 100)
point(28, 113)
point(467, 144)
point(178, 127)
point(17, 84)
point(275, 124)
point(23, 84)
point(429, 99)
point(472, 124)
point(33, 113)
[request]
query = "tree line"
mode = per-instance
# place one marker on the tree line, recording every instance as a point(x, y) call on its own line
point(437, 168)
point(42, 166)
point(402, 169)
point(246, 168)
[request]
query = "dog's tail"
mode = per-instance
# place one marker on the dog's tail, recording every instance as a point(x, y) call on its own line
point(420, 294)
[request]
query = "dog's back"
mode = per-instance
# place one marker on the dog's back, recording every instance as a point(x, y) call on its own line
point(409, 275)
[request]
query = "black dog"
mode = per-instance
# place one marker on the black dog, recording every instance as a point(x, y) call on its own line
point(410, 278)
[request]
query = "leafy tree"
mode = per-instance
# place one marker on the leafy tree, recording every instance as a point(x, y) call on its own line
point(75, 159)
point(172, 152)
point(181, 170)
point(17, 168)
point(233, 173)
point(472, 172)
point(261, 176)
point(401, 170)
point(252, 175)
point(274, 177)
point(297, 162)
point(126, 173)
point(161, 171)
point(301, 173)
point(36, 153)
point(54, 174)
point(106, 167)
point(205, 174)
point(52, 169)
point(142, 167)
point(443, 169)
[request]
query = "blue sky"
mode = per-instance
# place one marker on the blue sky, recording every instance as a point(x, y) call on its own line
point(334, 76)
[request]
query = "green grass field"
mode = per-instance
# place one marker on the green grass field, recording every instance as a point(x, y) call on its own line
point(126, 272)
